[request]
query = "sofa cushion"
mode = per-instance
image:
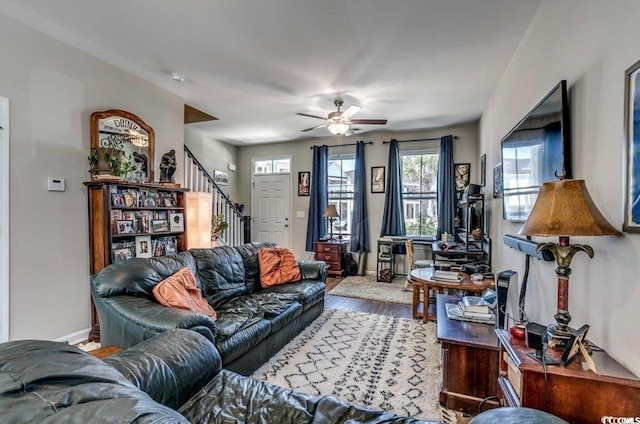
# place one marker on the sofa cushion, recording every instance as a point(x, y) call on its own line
point(253, 332)
point(232, 398)
point(306, 292)
point(249, 253)
point(179, 291)
point(277, 266)
point(139, 276)
point(221, 274)
point(53, 382)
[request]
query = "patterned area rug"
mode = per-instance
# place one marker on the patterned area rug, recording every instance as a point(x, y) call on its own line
point(366, 287)
point(378, 361)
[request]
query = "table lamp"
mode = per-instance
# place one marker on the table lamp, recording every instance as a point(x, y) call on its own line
point(332, 214)
point(564, 208)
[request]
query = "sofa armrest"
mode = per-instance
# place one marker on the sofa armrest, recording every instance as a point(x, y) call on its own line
point(170, 367)
point(128, 320)
point(314, 270)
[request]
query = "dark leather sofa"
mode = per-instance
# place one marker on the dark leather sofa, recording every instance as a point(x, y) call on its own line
point(175, 377)
point(253, 323)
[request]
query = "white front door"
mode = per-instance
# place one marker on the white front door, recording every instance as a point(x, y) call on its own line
point(271, 207)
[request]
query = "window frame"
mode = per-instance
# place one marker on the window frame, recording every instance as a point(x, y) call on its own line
point(272, 159)
point(420, 196)
point(332, 198)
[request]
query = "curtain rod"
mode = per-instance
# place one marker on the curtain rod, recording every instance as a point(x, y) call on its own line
point(455, 137)
point(342, 145)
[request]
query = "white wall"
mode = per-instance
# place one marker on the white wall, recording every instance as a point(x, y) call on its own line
point(375, 155)
point(589, 43)
point(53, 89)
point(214, 154)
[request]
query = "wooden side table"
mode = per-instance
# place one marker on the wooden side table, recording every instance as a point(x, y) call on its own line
point(331, 252)
point(422, 279)
point(470, 358)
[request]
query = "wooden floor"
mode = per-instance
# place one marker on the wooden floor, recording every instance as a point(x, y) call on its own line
point(364, 305)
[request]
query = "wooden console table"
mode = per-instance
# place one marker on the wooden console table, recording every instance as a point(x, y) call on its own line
point(569, 392)
point(469, 361)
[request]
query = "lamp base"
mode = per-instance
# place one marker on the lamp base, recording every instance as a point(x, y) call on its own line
point(558, 338)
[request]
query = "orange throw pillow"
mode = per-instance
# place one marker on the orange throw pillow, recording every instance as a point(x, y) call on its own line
point(180, 291)
point(277, 266)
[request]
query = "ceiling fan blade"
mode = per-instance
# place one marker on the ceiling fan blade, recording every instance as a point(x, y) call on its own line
point(324, 118)
point(313, 128)
point(351, 110)
point(369, 121)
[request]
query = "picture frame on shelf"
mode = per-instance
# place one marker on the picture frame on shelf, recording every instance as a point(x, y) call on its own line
point(129, 199)
point(159, 226)
point(117, 199)
point(573, 344)
point(497, 181)
point(631, 222)
point(169, 202)
point(221, 177)
point(125, 227)
point(483, 170)
point(122, 254)
point(462, 171)
point(304, 183)
point(176, 222)
point(143, 247)
point(148, 201)
point(377, 179)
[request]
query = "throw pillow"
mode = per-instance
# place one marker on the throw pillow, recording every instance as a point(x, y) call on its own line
point(277, 266)
point(180, 291)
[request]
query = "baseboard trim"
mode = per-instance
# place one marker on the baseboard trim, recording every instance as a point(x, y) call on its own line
point(75, 338)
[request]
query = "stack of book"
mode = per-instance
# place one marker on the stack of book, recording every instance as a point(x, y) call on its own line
point(447, 276)
point(471, 308)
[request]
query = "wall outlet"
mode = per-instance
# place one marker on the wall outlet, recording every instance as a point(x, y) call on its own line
point(55, 184)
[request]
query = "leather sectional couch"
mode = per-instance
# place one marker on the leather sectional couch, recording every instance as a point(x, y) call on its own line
point(174, 377)
point(252, 323)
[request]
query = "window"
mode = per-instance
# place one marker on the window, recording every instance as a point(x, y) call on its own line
point(272, 166)
point(419, 186)
point(341, 172)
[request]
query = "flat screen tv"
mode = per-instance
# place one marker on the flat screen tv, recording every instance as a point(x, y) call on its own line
point(535, 151)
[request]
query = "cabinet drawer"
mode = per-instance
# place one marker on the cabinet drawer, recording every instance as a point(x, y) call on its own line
point(328, 257)
point(334, 266)
point(328, 248)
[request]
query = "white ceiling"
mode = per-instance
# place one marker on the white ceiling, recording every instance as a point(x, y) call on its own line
point(254, 64)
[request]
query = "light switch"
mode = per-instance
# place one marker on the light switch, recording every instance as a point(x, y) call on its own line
point(299, 214)
point(55, 184)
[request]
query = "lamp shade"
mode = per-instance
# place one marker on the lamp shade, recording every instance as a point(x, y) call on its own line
point(331, 212)
point(565, 208)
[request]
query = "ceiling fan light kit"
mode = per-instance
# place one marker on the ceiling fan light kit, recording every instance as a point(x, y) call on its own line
point(338, 122)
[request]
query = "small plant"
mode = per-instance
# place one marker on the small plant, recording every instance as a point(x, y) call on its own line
point(218, 225)
point(126, 166)
point(112, 158)
point(93, 162)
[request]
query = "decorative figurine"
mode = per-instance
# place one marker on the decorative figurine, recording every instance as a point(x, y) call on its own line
point(168, 167)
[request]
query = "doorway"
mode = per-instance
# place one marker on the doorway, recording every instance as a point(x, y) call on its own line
point(4, 219)
point(271, 206)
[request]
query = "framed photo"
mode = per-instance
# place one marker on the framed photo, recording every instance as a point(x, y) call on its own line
point(221, 177)
point(304, 183)
point(169, 201)
point(573, 345)
point(122, 254)
point(125, 227)
point(149, 201)
point(461, 172)
point(483, 170)
point(632, 133)
point(143, 247)
point(497, 181)
point(377, 179)
point(176, 222)
point(159, 226)
point(117, 199)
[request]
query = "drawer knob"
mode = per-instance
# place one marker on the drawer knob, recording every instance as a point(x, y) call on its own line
point(327, 249)
point(327, 257)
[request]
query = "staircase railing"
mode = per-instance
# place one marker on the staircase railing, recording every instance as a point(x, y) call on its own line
point(198, 179)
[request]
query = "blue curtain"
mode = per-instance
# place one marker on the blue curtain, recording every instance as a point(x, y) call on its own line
point(319, 199)
point(360, 220)
point(392, 217)
point(446, 188)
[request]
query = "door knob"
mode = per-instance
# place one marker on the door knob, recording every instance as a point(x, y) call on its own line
point(286, 225)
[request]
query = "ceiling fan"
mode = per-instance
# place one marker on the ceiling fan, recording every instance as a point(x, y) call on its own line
point(338, 122)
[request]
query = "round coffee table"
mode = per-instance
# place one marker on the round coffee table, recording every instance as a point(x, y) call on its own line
point(422, 279)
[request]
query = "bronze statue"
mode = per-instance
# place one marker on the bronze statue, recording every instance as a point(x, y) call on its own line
point(168, 167)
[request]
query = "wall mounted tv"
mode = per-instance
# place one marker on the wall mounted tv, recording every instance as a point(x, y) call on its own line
point(535, 151)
